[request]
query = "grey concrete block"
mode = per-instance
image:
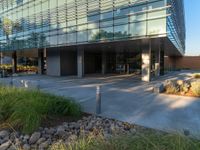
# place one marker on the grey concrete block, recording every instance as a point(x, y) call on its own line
point(159, 88)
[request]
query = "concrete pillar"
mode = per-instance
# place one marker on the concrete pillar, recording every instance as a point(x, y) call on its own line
point(146, 63)
point(41, 61)
point(103, 63)
point(127, 68)
point(14, 62)
point(157, 63)
point(53, 62)
point(80, 62)
point(1, 57)
point(162, 62)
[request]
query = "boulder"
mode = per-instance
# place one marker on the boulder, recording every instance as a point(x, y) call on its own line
point(4, 134)
point(44, 145)
point(26, 147)
point(5, 146)
point(34, 137)
point(159, 88)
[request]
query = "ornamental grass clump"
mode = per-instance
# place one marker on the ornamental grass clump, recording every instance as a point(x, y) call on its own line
point(196, 76)
point(25, 110)
point(139, 141)
point(195, 88)
point(172, 87)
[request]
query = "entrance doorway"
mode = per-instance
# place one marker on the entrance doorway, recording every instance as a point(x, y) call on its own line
point(93, 62)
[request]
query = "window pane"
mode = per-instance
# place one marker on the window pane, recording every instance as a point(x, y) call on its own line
point(71, 38)
point(138, 29)
point(106, 33)
point(93, 35)
point(137, 17)
point(53, 40)
point(106, 23)
point(121, 21)
point(157, 26)
point(107, 15)
point(121, 12)
point(62, 39)
point(121, 31)
point(156, 4)
point(156, 14)
point(82, 36)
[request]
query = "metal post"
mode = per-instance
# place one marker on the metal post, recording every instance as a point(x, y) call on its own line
point(11, 82)
point(38, 85)
point(98, 100)
point(1, 68)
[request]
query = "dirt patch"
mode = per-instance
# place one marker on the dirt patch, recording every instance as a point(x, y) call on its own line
point(53, 121)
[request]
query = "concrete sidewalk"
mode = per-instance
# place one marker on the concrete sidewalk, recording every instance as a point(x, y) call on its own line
point(128, 99)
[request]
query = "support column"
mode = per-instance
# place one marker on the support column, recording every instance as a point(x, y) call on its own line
point(103, 63)
point(41, 61)
point(157, 63)
point(146, 63)
point(80, 62)
point(1, 58)
point(14, 62)
point(53, 62)
point(162, 62)
point(127, 68)
point(127, 63)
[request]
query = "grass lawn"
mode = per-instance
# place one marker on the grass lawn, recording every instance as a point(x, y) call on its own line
point(25, 110)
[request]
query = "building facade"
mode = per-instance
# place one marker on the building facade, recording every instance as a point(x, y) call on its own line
point(78, 37)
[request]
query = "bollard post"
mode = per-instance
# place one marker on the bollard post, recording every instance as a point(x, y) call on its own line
point(38, 85)
point(98, 100)
point(11, 82)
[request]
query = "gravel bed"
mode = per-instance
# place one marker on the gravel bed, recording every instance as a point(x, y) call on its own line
point(45, 137)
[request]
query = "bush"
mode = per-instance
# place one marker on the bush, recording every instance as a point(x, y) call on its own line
point(196, 76)
point(195, 88)
point(25, 109)
point(172, 87)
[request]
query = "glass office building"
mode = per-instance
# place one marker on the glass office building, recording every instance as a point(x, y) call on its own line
point(39, 24)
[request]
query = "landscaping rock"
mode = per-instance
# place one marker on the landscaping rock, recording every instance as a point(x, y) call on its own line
point(4, 134)
point(41, 140)
point(5, 146)
point(159, 88)
point(35, 137)
point(50, 131)
point(60, 131)
point(26, 147)
point(67, 132)
point(12, 147)
point(44, 145)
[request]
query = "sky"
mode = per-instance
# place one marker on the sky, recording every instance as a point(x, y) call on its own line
point(192, 14)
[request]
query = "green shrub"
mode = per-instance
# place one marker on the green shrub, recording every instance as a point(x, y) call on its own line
point(195, 87)
point(25, 109)
point(196, 76)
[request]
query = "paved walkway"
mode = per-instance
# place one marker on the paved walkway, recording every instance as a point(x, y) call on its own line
point(128, 99)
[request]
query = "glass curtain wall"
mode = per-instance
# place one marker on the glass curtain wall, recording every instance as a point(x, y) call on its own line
point(175, 25)
point(26, 24)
